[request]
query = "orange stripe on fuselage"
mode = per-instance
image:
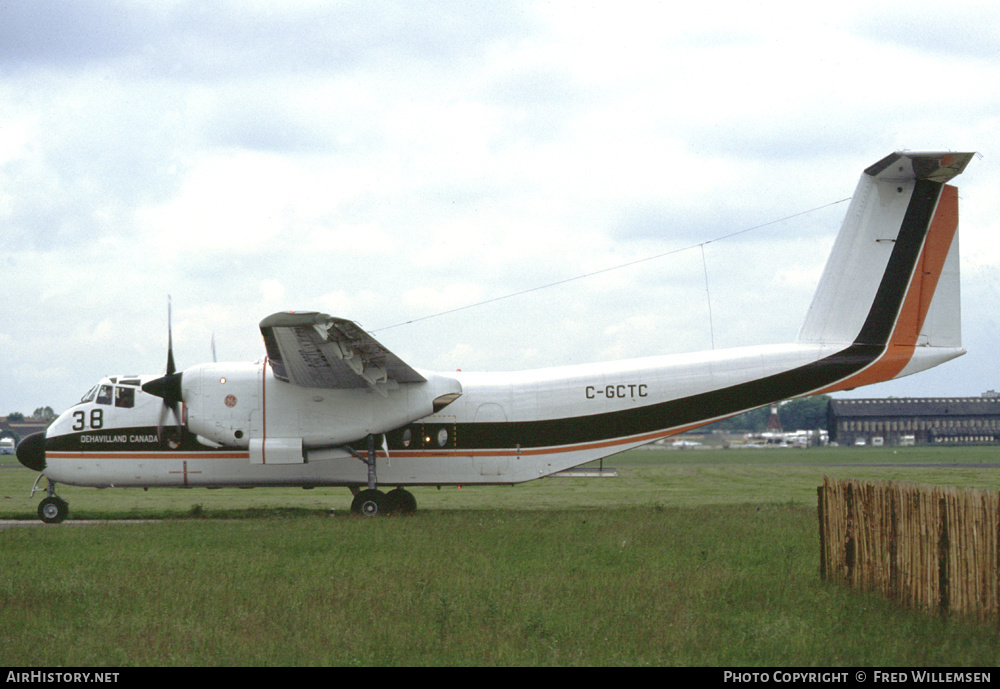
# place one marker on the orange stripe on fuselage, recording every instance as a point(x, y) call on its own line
point(138, 454)
point(913, 313)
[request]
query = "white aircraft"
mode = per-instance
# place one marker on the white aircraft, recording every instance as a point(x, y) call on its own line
point(330, 406)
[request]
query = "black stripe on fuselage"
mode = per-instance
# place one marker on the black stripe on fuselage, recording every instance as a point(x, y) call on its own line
point(137, 439)
point(868, 346)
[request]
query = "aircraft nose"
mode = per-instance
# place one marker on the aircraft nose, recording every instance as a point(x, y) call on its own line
point(31, 451)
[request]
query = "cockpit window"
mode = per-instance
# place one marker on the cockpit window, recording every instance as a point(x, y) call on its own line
point(124, 397)
point(104, 394)
point(89, 397)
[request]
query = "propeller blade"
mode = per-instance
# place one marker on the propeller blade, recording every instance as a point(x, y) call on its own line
point(159, 423)
point(176, 438)
point(168, 387)
point(170, 340)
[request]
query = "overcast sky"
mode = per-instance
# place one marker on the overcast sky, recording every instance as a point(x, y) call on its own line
point(390, 161)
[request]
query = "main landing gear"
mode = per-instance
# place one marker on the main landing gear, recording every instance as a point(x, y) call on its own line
point(52, 509)
point(372, 502)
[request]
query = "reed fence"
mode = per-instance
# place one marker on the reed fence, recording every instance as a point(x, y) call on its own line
point(931, 548)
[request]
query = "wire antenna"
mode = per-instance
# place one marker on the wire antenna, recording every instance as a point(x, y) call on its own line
point(708, 297)
point(609, 269)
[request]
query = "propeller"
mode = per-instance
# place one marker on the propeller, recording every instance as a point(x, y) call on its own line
point(168, 387)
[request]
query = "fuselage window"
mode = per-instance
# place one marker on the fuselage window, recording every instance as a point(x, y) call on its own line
point(104, 395)
point(124, 397)
point(89, 397)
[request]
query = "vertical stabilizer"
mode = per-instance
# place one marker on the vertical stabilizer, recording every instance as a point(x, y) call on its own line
point(892, 280)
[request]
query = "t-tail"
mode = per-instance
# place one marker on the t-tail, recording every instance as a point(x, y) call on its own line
point(890, 291)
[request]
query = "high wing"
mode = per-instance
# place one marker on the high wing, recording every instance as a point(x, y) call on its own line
point(314, 350)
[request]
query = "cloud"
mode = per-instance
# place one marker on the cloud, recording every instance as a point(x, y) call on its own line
point(388, 162)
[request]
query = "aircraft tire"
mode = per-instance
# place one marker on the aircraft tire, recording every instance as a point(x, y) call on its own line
point(53, 510)
point(401, 501)
point(371, 503)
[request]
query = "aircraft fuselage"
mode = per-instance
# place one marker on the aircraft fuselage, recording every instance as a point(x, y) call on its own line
point(243, 427)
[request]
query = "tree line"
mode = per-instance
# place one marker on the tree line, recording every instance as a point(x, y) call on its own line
point(44, 413)
point(802, 414)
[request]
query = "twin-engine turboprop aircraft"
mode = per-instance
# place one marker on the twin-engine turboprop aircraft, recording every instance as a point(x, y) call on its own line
point(330, 406)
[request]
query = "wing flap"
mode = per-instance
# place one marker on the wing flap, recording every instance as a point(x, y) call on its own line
point(314, 350)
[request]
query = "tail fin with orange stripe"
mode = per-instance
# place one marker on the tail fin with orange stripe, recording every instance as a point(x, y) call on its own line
point(892, 280)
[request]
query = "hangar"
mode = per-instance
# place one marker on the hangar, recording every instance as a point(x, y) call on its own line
point(920, 421)
point(17, 426)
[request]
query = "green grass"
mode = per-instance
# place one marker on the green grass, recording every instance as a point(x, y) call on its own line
point(689, 558)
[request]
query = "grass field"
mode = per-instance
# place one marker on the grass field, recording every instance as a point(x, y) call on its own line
point(688, 558)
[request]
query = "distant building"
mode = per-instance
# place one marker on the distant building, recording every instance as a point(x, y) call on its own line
point(910, 421)
point(21, 428)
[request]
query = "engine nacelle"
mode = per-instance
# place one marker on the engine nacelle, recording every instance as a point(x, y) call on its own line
point(220, 401)
point(245, 406)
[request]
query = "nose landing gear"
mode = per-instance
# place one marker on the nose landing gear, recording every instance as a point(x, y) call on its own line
point(52, 509)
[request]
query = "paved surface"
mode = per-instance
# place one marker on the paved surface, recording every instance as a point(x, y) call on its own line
point(15, 523)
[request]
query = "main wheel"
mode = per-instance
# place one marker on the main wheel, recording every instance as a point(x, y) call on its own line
point(53, 510)
point(370, 503)
point(401, 501)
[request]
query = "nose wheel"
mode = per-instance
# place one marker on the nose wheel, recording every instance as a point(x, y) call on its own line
point(52, 509)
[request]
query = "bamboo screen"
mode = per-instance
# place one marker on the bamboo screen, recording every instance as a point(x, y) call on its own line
point(927, 547)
